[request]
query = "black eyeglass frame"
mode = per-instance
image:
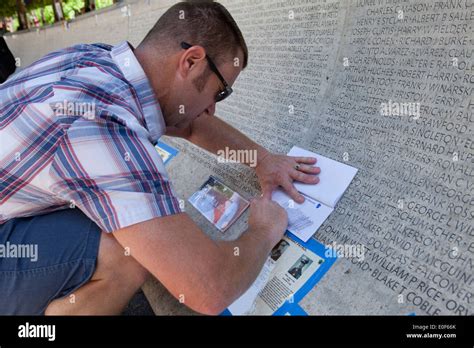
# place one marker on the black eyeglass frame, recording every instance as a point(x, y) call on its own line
point(227, 89)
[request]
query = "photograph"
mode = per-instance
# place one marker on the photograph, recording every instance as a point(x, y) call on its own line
point(165, 155)
point(279, 249)
point(218, 203)
point(300, 266)
point(166, 152)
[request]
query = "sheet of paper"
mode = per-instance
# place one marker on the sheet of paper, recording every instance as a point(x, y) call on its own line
point(245, 304)
point(334, 178)
point(288, 268)
point(166, 151)
point(303, 219)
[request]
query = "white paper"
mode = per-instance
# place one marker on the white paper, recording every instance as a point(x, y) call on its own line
point(286, 270)
point(245, 304)
point(334, 178)
point(303, 219)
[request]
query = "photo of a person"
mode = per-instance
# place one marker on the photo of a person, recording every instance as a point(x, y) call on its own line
point(279, 249)
point(300, 266)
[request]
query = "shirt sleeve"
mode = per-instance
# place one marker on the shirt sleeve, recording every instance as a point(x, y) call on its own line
point(112, 173)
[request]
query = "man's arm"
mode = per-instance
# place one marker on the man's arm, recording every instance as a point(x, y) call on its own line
point(207, 275)
point(213, 134)
point(273, 170)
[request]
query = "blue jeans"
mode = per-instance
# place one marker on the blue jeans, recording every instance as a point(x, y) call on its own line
point(45, 257)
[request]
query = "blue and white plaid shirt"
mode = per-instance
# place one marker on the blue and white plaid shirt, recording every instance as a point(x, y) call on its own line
point(77, 129)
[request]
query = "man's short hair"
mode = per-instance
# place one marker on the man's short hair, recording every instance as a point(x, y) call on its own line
point(200, 22)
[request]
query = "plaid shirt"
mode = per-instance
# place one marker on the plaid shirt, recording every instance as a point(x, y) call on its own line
point(77, 129)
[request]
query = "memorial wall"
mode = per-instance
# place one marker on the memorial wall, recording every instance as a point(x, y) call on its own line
point(385, 86)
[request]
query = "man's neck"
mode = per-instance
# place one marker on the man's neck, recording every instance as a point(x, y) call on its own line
point(156, 74)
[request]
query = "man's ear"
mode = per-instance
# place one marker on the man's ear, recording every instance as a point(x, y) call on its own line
point(191, 61)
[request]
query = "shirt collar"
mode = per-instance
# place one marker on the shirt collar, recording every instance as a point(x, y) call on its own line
point(127, 62)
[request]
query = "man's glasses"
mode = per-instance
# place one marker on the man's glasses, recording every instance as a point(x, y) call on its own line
point(227, 89)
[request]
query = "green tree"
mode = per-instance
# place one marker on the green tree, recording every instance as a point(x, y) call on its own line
point(89, 5)
point(103, 3)
point(57, 6)
point(38, 7)
point(7, 8)
point(72, 8)
point(21, 9)
point(48, 11)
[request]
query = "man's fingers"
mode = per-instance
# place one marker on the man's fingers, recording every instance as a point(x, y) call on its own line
point(304, 178)
point(309, 169)
point(307, 160)
point(292, 192)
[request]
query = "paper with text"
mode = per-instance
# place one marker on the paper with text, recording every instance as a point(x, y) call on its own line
point(286, 270)
point(334, 178)
point(320, 199)
point(303, 219)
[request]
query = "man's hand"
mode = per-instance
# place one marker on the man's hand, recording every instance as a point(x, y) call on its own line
point(206, 274)
point(267, 220)
point(275, 170)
